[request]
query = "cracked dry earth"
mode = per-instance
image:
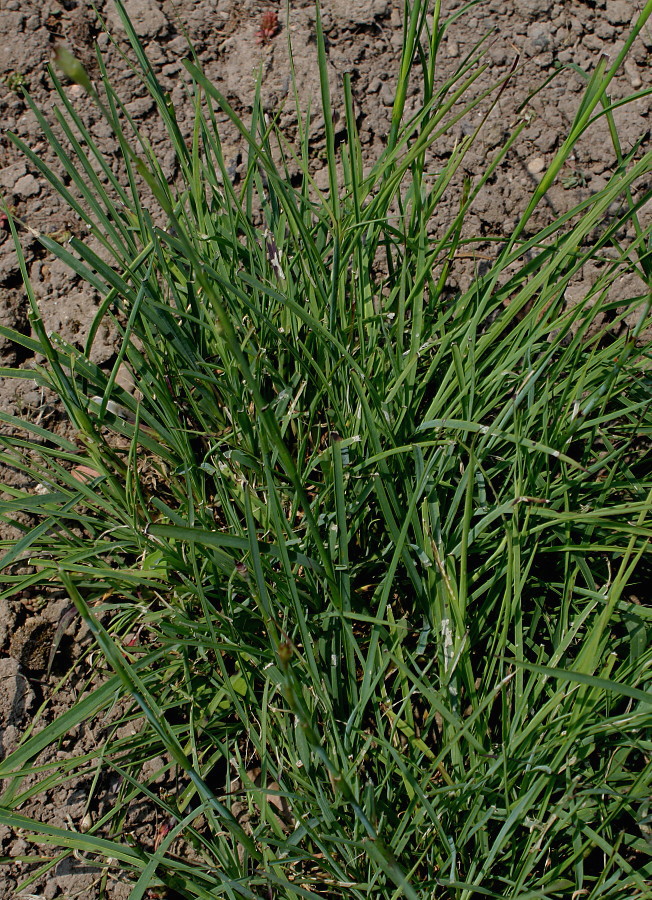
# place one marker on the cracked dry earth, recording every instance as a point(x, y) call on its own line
point(364, 38)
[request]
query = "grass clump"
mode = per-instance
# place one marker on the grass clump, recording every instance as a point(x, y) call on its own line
point(361, 553)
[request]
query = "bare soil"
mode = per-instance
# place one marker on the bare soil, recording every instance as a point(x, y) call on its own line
point(364, 38)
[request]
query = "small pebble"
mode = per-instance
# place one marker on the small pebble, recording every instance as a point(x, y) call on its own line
point(631, 71)
point(535, 165)
point(387, 95)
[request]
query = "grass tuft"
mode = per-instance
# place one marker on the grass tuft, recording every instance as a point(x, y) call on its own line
point(365, 556)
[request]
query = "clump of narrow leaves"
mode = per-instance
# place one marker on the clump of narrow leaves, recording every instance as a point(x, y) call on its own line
point(366, 555)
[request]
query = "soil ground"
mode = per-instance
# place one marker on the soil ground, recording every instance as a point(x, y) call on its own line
point(364, 38)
